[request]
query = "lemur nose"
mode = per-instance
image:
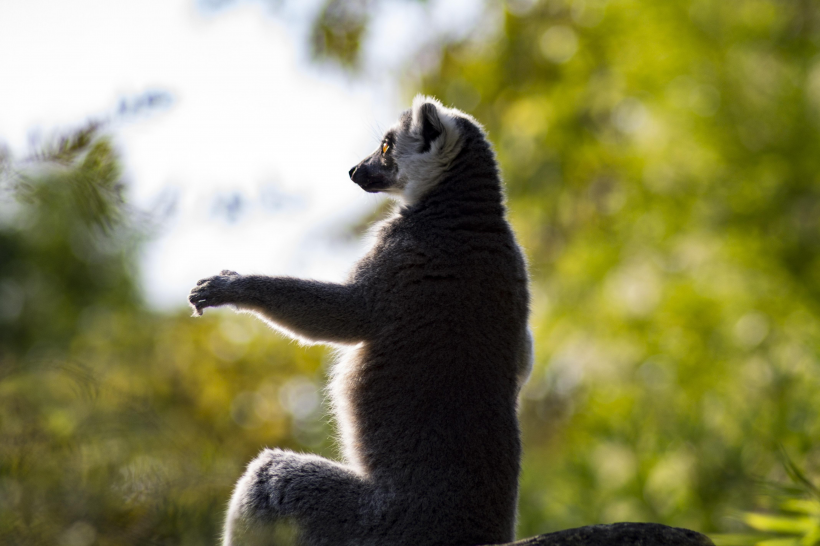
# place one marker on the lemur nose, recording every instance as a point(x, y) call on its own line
point(353, 170)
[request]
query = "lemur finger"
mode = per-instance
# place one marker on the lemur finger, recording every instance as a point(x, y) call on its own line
point(200, 298)
point(200, 306)
point(194, 302)
point(199, 289)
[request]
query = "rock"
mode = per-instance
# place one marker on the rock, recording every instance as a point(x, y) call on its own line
point(619, 534)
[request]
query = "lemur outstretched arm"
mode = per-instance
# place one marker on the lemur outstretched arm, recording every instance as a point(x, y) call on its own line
point(312, 310)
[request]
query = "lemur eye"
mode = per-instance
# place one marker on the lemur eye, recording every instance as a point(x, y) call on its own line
point(385, 147)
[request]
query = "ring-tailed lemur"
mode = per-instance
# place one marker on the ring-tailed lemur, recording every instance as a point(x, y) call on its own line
point(425, 398)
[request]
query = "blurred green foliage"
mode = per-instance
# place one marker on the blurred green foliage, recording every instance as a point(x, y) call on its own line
point(119, 425)
point(338, 31)
point(663, 175)
point(792, 517)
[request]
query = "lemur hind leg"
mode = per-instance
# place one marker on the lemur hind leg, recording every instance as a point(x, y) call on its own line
point(321, 497)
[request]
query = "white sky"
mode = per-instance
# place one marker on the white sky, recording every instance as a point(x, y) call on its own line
point(250, 117)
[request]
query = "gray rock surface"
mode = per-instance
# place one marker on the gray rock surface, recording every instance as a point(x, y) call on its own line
point(619, 534)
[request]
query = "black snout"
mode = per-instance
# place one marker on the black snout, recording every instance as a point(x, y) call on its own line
point(370, 175)
point(361, 174)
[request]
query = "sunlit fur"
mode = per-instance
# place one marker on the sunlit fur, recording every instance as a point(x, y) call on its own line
point(433, 325)
point(420, 171)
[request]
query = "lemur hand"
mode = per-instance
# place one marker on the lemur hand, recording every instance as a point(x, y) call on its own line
point(213, 291)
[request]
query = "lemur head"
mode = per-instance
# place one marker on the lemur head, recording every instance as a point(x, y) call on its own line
point(415, 153)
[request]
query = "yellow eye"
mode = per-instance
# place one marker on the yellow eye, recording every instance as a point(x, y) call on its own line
point(385, 147)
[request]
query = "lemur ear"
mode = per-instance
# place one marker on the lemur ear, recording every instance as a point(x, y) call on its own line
point(431, 126)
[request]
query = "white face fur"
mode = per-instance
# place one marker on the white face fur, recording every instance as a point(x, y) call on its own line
point(415, 153)
point(420, 171)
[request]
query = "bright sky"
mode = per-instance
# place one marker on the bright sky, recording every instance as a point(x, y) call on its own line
point(257, 142)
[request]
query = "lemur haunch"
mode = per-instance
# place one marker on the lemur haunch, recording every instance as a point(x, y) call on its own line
point(425, 398)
